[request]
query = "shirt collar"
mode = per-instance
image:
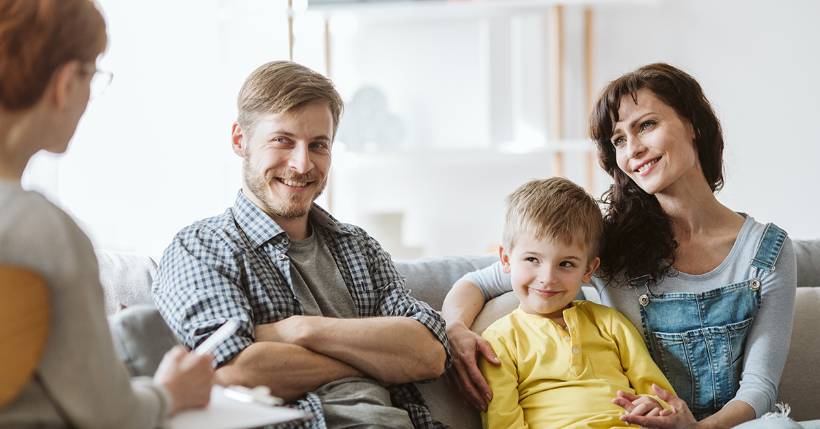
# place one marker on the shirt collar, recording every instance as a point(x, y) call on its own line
point(320, 217)
point(261, 228)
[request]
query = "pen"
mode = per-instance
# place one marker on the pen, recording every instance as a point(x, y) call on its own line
point(221, 334)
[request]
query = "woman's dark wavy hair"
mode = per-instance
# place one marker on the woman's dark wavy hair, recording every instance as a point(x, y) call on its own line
point(637, 239)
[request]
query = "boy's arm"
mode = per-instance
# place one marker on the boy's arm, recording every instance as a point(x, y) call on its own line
point(636, 361)
point(503, 410)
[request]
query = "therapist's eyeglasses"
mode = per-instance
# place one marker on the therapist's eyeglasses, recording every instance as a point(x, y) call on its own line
point(100, 81)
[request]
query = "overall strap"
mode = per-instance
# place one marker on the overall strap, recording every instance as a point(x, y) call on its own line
point(769, 247)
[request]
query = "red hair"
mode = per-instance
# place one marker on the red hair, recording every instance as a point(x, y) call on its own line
point(39, 36)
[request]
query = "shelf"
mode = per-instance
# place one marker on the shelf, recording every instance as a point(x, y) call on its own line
point(578, 146)
point(448, 9)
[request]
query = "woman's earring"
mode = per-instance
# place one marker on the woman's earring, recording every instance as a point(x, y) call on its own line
point(506, 268)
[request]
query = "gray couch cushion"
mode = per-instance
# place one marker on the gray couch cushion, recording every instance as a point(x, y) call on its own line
point(798, 386)
point(494, 310)
point(126, 279)
point(430, 279)
point(807, 253)
point(141, 338)
point(447, 405)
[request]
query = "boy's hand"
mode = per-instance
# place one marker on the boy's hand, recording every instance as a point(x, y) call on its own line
point(677, 416)
point(636, 405)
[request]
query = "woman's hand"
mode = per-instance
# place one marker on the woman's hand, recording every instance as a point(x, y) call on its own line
point(187, 377)
point(466, 346)
point(637, 405)
point(678, 417)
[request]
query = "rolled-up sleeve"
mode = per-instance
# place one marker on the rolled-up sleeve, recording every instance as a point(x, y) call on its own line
point(395, 298)
point(197, 289)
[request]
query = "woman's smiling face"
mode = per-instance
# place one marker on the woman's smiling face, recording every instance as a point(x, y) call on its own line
point(654, 146)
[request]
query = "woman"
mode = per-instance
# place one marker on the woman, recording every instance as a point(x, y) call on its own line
point(48, 50)
point(711, 289)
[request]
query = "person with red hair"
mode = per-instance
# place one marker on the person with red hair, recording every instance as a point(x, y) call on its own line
point(48, 53)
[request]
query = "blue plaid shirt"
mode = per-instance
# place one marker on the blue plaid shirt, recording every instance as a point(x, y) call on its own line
point(235, 266)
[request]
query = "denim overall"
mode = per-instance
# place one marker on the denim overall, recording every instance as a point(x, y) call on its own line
point(698, 339)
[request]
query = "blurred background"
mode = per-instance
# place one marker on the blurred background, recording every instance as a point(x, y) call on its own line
point(449, 106)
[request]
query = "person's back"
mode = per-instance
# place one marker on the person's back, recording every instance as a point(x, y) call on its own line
point(35, 234)
point(48, 52)
point(562, 362)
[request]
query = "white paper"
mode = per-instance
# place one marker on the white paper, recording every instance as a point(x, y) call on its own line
point(226, 413)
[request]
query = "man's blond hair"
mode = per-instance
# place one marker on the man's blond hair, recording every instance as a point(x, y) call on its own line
point(553, 209)
point(280, 86)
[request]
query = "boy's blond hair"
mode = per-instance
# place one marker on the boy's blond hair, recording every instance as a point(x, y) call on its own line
point(280, 86)
point(553, 209)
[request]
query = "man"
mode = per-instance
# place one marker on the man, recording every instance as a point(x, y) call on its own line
point(325, 318)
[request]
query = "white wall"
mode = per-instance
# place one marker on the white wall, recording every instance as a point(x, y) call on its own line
point(758, 63)
point(152, 155)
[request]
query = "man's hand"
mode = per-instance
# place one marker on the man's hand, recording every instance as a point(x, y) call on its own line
point(466, 346)
point(678, 417)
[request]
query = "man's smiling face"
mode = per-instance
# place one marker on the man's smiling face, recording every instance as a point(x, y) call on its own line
point(287, 159)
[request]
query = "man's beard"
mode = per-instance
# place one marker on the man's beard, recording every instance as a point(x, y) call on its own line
point(259, 186)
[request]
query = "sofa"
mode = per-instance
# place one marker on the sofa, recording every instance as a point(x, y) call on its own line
point(141, 336)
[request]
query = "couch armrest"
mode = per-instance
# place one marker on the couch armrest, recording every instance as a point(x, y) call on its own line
point(141, 338)
point(807, 254)
point(126, 279)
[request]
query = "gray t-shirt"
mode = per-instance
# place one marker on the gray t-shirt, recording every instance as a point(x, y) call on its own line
point(317, 282)
point(353, 402)
point(767, 345)
point(80, 381)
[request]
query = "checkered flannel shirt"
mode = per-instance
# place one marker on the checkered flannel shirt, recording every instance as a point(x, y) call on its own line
point(235, 266)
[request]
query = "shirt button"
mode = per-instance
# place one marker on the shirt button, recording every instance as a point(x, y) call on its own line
point(283, 257)
point(566, 337)
point(576, 350)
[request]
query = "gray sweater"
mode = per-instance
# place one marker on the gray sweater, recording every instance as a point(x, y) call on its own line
point(79, 381)
point(768, 343)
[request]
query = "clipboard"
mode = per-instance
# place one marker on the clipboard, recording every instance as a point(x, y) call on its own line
point(226, 413)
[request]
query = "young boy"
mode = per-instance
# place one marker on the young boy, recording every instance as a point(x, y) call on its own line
point(562, 361)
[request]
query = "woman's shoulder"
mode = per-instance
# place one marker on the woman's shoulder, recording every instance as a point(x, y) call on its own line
point(758, 239)
point(32, 215)
point(37, 234)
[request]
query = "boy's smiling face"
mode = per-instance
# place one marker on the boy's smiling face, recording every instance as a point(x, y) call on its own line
point(546, 274)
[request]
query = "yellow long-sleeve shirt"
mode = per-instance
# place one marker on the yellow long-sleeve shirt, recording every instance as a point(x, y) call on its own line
point(555, 378)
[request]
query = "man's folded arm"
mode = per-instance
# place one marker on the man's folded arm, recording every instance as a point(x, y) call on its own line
point(392, 350)
point(395, 300)
point(198, 289)
point(290, 371)
point(405, 339)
